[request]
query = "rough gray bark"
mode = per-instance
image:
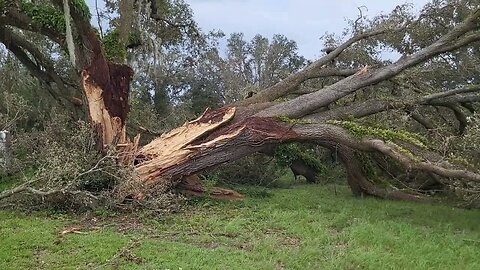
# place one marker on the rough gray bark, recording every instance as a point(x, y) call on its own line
point(255, 123)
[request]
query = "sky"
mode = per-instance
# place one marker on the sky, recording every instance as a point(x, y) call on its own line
point(304, 21)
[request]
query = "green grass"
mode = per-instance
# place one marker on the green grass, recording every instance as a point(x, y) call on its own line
point(307, 227)
point(8, 182)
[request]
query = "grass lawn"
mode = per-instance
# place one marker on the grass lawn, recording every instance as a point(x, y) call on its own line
point(306, 227)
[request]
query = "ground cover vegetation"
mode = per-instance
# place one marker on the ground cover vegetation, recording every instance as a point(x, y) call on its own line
point(98, 105)
point(309, 226)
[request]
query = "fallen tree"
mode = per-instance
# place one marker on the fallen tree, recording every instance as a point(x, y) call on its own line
point(266, 119)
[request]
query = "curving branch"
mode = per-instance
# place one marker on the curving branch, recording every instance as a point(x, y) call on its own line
point(356, 110)
point(324, 73)
point(359, 184)
point(332, 133)
point(374, 106)
point(427, 124)
point(315, 70)
point(466, 89)
point(455, 99)
point(23, 57)
point(42, 69)
point(460, 115)
point(469, 106)
point(307, 104)
point(370, 107)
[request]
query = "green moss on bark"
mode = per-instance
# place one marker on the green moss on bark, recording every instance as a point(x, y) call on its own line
point(44, 15)
point(48, 15)
point(383, 133)
point(114, 51)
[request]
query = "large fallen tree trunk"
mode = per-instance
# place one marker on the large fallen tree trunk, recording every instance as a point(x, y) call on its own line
point(218, 137)
point(263, 120)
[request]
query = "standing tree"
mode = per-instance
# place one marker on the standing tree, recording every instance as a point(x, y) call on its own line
point(326, 116)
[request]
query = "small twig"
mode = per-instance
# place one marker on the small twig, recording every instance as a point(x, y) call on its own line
point(360, 16)
point(99, 20)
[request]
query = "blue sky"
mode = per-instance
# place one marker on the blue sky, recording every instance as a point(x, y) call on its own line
point(304, 21)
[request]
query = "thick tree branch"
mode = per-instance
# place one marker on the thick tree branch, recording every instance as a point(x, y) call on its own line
point(306, 104)
point(461, 117)
point(327, 72)
point(43, 69)
point(331, 133)
point(20, 20)
point(469, 106)
point(374, 106)
point(356, 110)
point(20, 188)
point(427, 124)
point(360, 185)
point(32, 67)
point(455, 99)
point(466, 89)
point(210, 144)
point(315, 70)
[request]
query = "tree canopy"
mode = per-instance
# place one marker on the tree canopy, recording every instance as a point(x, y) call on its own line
point(403, 129)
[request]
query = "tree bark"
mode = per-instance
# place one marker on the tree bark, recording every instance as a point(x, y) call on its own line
point(300, 168)
point(224, 135)
point(213, 138)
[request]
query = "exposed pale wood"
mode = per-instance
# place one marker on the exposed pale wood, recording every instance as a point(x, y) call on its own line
point(206, 142)
point(111, 128)
point(128, 151)
point(175, 146)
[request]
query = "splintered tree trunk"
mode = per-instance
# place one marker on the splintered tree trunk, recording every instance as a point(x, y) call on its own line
point(156, 161)
point(106, 88)
point(175, 157)
point(252, 125)
point(207, 141)
point(220, 136)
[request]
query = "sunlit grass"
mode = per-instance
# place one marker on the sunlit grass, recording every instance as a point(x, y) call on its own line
point(306, 227)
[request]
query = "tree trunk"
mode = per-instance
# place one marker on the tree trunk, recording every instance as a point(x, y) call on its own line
point(220, 136)
point(5, 142)
point(223, 135)
point(300, 168)
point(209, 141)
